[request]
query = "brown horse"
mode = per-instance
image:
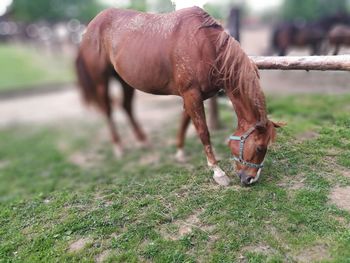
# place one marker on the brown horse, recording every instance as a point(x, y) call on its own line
point(339, 36)
point(184, 53)
point(311, 34)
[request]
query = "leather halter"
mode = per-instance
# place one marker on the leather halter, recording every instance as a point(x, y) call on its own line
point(242, 140)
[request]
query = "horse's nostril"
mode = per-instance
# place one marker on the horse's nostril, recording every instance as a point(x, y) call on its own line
point(245, 180)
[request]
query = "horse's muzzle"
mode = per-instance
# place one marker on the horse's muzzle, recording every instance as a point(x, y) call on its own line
point(247, 180)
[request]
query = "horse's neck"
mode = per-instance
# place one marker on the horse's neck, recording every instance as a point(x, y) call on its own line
point(247, 111)
point(245, 114)
point(240, 79)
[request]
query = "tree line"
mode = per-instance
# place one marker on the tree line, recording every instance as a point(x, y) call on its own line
point(85, 10)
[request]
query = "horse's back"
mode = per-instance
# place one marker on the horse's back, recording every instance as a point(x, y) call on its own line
point(148, 50)
point(103, 22)
point(339, 34)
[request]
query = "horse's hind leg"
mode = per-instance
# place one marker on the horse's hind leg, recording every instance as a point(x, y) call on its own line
point(195, 109)
point(214, 122)
point(282, 52)
point(337, 49)
point(105, 104)
point(128, 107)
point(185, 121)
point(315, 49)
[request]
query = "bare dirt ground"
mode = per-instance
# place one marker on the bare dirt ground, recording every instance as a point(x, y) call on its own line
point(340, 196)
point(66, 105)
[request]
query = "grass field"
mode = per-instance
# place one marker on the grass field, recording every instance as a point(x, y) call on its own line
point(23, 67)
point(65, 199)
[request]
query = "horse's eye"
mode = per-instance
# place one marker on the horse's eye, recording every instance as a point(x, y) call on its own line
point(261, 149)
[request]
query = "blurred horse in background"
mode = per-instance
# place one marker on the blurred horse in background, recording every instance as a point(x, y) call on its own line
point(339, 36)
point(184, 53)
point(312, 34)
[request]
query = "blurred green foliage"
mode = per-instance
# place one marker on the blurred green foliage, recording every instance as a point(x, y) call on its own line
point(55, 10)
point(163, 6)
point(312, 9)
point(158, 6)
point(140, 5)
point(83, 10)
point(221, 9)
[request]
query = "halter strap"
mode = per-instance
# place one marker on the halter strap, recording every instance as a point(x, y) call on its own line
point(242, 140)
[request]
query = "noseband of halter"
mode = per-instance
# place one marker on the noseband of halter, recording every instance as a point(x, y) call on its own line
point(242, 140)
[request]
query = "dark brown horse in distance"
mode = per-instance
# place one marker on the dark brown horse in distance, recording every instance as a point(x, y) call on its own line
point(339, 36)
point(309, 34)
point(184, 53)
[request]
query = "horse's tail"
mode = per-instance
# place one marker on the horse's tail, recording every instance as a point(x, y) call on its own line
point(85, 82)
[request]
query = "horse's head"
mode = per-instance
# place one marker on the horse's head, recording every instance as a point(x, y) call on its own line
point(249, 146)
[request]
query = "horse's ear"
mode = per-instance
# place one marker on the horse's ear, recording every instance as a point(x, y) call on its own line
point(278, 124)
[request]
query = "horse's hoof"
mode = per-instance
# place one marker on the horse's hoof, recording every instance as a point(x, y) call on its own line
point(221, 178)
point(118, 151)
point(180, 156)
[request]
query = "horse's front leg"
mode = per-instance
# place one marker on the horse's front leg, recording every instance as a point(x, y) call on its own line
point(195, 109)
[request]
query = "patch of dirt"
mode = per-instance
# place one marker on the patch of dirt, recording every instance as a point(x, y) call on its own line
point(181, 228)
point(63, 146)
point(150, 159)
point(313, 254)
point(293, 183)
point(78, 244)
point(85, 160)
point(339, 219)
point(3, 164)
point(346, 173)
point(29, 233)
point(187, 226)
point(333, 152)
point(103, 256)
point(183, 192)
point(260, 248)
point(276, 234)
point(332, 165)
point(308, 135)
point(103, 198)
point(340, 196)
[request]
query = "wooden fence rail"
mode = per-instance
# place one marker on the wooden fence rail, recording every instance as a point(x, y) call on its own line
point(323, 63)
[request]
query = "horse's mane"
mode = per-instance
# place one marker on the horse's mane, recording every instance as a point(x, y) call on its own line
point(233, 70)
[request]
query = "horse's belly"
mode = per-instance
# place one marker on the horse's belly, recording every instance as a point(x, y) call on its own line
point(150, 83)
point(151, 74)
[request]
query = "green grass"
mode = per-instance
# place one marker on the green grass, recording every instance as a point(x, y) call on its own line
point(23, 67)
point(134, 210)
